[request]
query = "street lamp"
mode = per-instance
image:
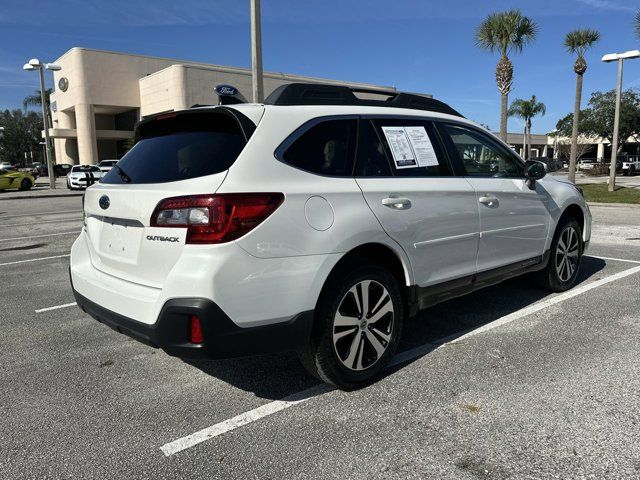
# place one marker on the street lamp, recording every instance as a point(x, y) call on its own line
point(35, 64)
point(256, 53)
point(620, 58)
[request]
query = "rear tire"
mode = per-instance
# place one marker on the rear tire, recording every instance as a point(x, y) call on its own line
point(563, 266)
point(25, 184)
point(358, 326)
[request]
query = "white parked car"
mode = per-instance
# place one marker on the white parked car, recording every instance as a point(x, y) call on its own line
point(106, 165)
point(316, 222)
point(630, 166)
point(83, 176)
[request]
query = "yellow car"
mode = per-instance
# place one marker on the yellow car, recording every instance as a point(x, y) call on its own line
point(16, 179)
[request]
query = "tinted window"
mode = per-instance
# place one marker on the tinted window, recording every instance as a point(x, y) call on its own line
point(372, 159)
point(327, 148)
point(85, 168)
point(180, 147)
point(483, 157)
point(413, 148)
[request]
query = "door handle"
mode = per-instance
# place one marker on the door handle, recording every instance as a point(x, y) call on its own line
point(397, 203)
point(489, 201)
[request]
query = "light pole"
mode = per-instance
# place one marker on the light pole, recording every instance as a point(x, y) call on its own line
point(35, 64)
point(256, 53)
point(620, 58)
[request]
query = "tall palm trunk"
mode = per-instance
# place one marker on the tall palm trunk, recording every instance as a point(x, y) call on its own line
point(503, 117)
point(504, 79)
point(524, 142)
point(528, 139)
point(574, 130)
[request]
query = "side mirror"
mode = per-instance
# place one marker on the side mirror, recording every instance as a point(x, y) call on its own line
point(534, 170)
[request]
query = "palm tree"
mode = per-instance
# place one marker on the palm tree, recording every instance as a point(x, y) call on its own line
point(526, 110)
point(505, 32)
point(576, 42)
point(36, 99)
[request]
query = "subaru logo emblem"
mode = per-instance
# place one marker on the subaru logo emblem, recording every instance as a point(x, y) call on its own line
point(104, 202)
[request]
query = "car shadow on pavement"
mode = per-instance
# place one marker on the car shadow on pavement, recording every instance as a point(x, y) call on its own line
point(280, 375)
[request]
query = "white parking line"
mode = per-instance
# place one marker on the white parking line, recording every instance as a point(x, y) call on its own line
point(75, 232)
point(270, 408)
point(56, 307)
point(40, 222)
point(2, 217)
point(614, 259)
point(33, 260)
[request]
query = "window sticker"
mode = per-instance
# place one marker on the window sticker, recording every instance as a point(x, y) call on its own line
point(422, 147)
point(410, 146)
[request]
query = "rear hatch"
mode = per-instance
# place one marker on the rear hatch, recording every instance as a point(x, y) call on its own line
point(176, 154)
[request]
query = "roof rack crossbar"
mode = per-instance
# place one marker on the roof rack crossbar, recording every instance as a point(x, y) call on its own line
point(324, 94)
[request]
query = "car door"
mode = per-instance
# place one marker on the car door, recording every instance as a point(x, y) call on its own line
point(514, 219)
point(406, 179)
point(5, 179)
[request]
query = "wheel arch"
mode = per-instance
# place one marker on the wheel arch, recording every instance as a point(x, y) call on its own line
point(374, 252)
point(574, 210)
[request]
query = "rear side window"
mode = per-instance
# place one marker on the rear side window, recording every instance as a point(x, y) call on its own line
point(372, 158)
point(327, 148)
point(180, 147)
point(413, 148)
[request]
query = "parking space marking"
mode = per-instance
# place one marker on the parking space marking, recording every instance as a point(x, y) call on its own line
point(536, 307)
point(29, 224)
point(270, 408)
point(614, 259)
point(262, 411)
point(75, 232)
point(2, 217)
point(34, 260)
point(56, 307)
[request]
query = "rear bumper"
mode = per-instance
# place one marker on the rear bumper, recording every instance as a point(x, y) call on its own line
point(222, 338)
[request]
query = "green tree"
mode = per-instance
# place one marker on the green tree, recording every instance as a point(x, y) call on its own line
point(505, 32)
point(21, 135)
point(527, 110)
point(597, 119)
point(576, 42)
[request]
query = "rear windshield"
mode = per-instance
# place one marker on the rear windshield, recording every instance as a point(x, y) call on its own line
point(179, 147)
point(107, 163)
point(85, 168)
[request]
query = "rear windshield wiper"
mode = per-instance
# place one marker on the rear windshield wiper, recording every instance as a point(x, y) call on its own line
point(123, 175)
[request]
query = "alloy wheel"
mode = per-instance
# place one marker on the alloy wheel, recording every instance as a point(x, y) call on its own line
point(363, 325)
point(567, 253)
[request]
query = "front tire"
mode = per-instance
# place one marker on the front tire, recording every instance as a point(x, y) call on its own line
point(359, 323)
point(25, 184)
point(561, 271)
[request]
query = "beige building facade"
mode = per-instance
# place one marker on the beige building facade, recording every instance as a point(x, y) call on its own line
point(99, 96)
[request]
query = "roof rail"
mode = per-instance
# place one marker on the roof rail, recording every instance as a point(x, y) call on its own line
point(323, 94)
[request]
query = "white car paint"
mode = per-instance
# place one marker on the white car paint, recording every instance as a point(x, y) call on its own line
point(80, 174)
point(278, 269)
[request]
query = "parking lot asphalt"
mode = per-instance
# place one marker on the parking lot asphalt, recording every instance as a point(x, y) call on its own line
point(509, 382)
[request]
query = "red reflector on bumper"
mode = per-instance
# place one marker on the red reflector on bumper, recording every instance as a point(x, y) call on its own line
point(195, 330)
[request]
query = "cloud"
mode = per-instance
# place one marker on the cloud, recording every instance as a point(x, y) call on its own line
point(607, 5)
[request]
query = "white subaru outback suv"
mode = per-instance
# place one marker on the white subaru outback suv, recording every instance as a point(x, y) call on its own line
point(316, 222)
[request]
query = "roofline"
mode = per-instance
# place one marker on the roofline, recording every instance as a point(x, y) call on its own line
point(213, 66)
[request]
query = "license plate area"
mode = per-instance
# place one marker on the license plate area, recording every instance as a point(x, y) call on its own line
point(120, 239)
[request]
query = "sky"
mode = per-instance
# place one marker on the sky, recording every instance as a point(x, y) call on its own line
point(415, 45)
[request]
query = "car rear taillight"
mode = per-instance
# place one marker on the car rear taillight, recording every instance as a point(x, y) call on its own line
point(195, 330)
point(215, 218)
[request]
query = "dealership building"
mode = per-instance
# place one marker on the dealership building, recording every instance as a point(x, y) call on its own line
point(100, 95)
